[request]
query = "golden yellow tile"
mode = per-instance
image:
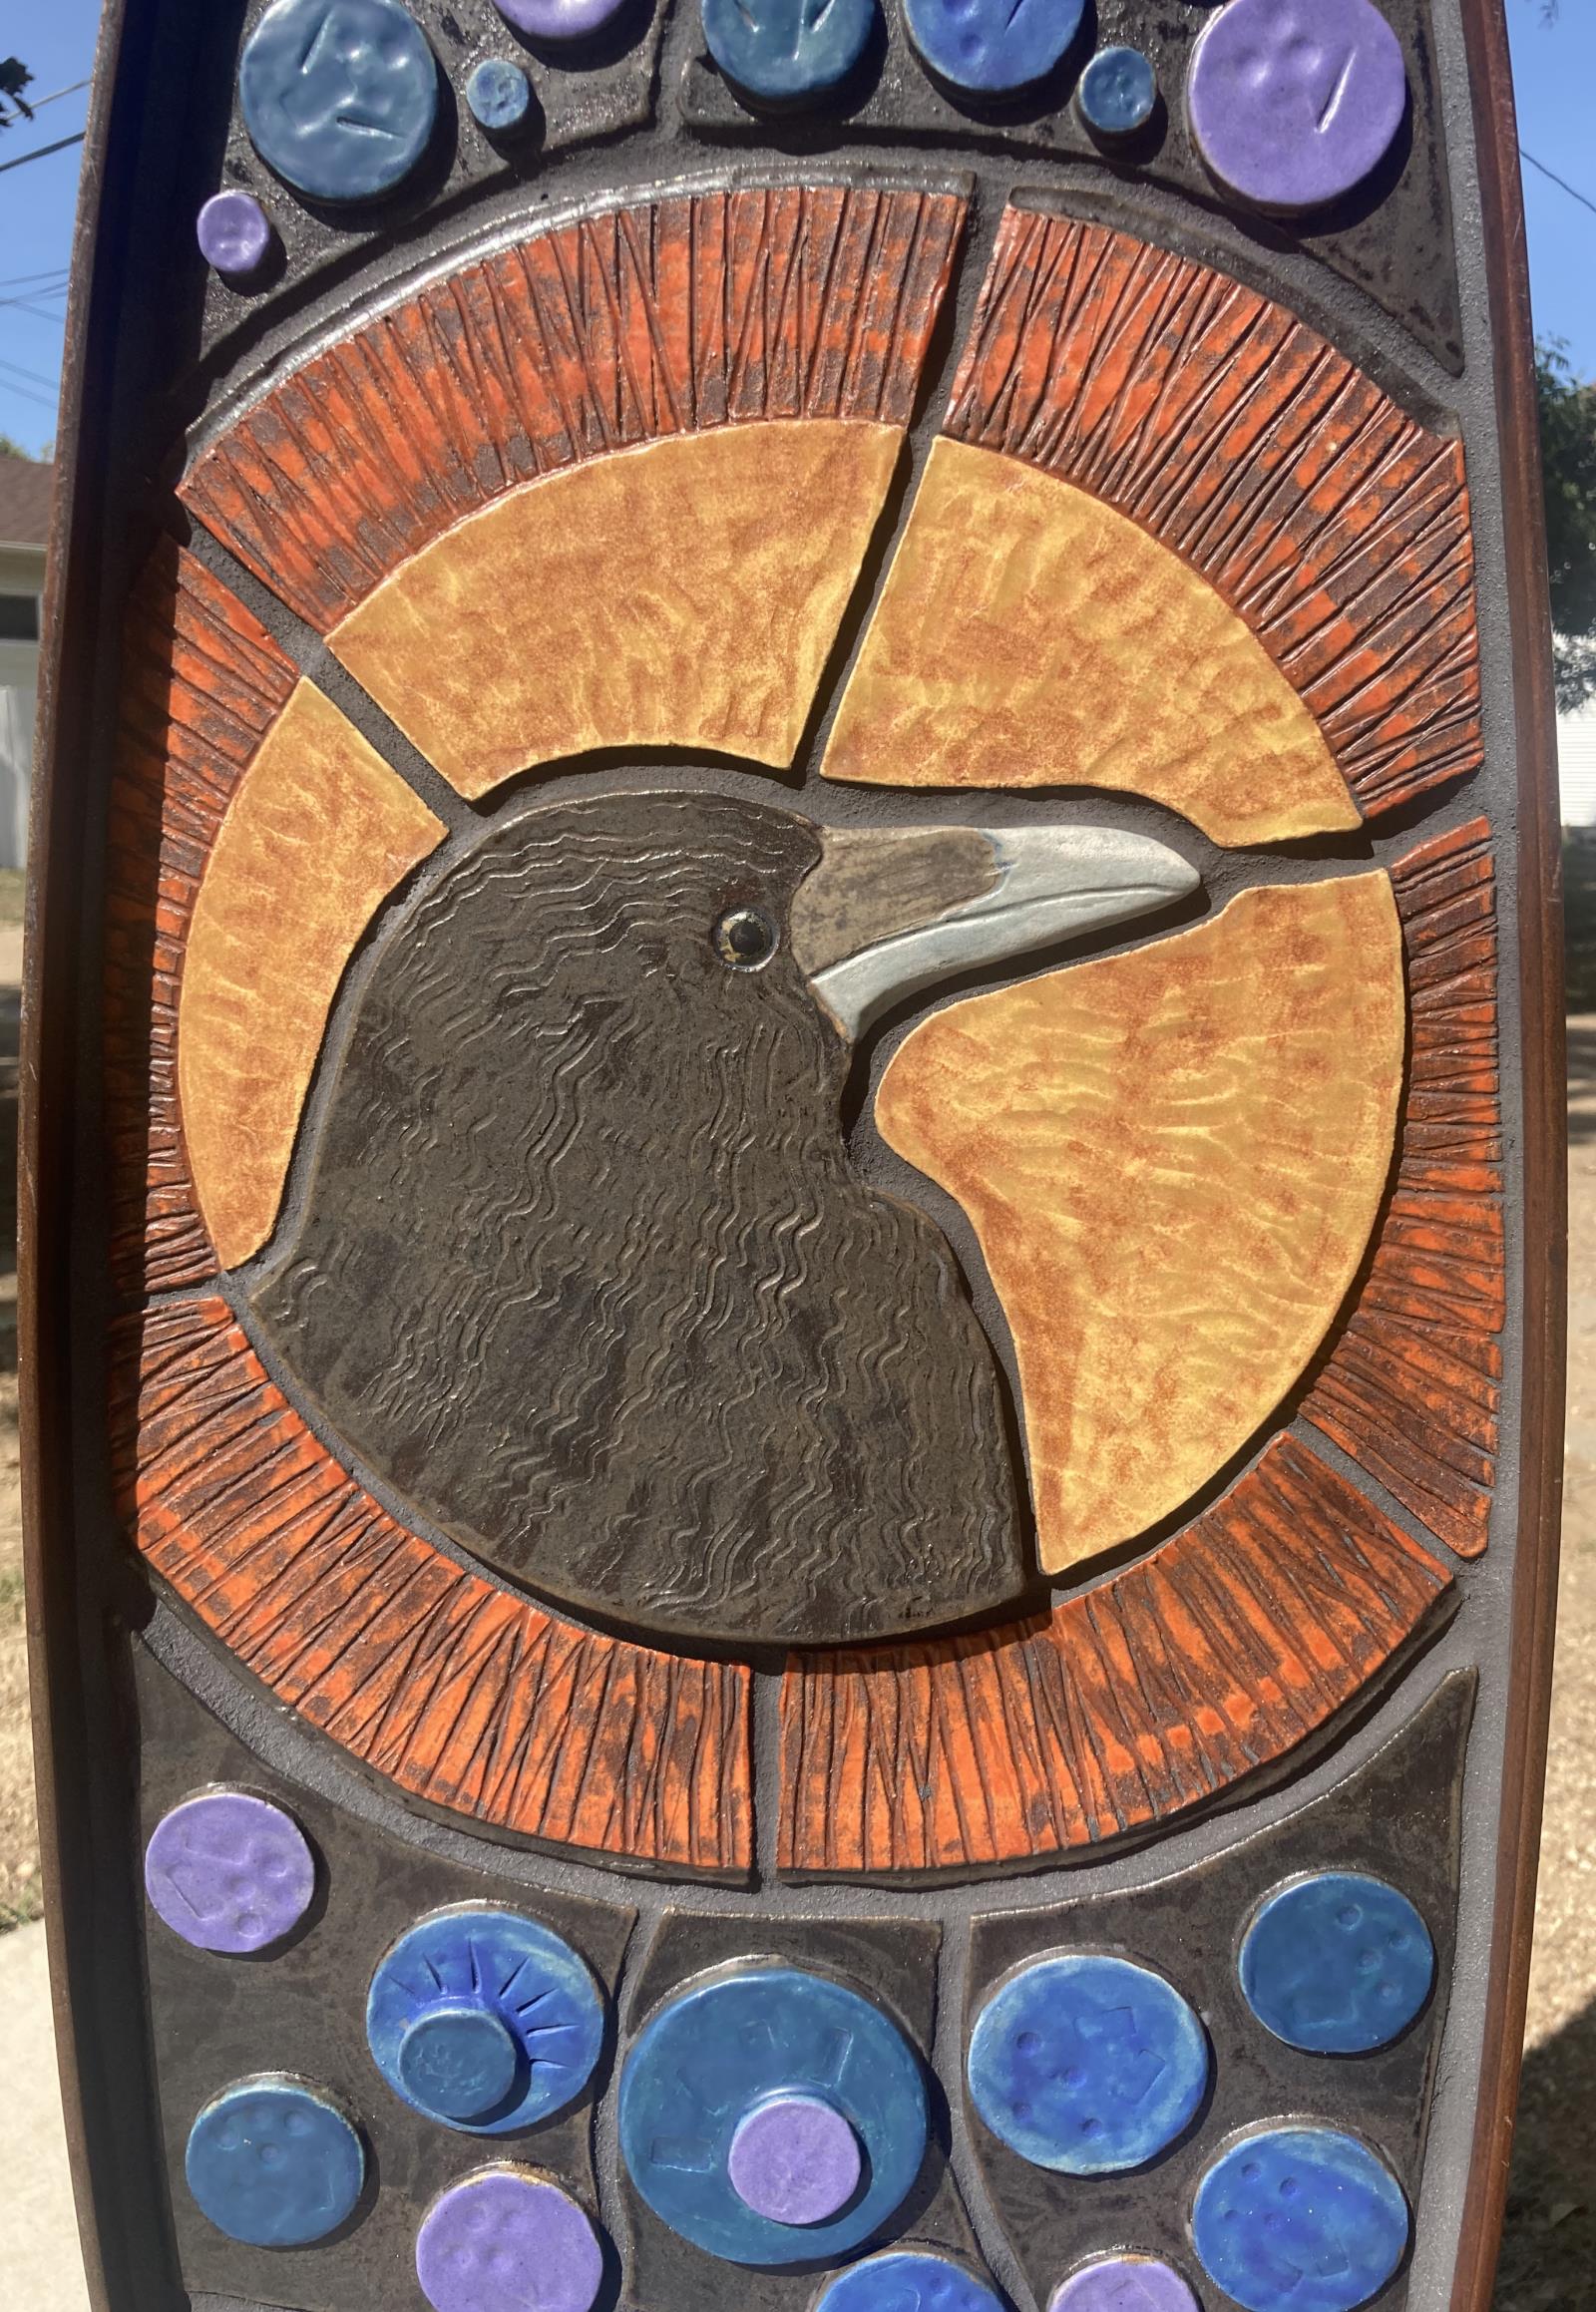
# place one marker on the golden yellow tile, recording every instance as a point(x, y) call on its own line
point(318, 832)
point(1029, 636)
point(1173, 1160)
point(684, 594)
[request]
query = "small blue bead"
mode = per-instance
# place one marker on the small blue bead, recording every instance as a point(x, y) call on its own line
point(992, 47)
point(1118, 92)
point(1300, 2219)
point(786, 51)
point(272, 2164)
point(1086, 2065)
point(500, 96)
point(1337, 1964)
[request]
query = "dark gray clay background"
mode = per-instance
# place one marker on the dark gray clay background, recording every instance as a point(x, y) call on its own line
point(168, 350)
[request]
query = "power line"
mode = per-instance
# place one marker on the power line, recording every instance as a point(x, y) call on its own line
point(27, 281)
point(43, 152)
point(1562, 183)
point(49, 400)
point(15, 369)
point(55, 96)
point(56, 288)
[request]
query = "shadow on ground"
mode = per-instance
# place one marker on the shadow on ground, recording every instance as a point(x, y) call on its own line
point(1550, 2247)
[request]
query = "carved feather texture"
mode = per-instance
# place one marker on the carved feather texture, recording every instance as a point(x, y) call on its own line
point(585, 1269)
point(203, 683)
point(1336, 524)
point(1412, 1387)
point(709, 309)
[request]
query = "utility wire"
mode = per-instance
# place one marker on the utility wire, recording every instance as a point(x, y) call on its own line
point(55, 96)
point(42, 151)
point(1562, 183)
point(33, 377)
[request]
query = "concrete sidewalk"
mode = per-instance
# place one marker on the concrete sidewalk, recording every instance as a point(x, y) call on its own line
point(44, 2272)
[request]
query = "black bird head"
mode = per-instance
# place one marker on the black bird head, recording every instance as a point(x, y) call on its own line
point(583, 1266)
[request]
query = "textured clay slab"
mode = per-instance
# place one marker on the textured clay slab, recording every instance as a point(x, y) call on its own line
point(318, 832)
point(1031, 637)
point(1247, 1074)
point(720, 564)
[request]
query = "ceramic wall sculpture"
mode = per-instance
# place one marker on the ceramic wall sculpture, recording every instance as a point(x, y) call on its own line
point(792, 1169)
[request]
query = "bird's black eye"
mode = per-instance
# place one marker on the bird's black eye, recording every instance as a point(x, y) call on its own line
point(746, 938)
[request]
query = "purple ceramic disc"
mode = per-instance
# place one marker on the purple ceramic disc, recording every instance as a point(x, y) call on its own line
point(1124, 2284)
point(230, 1872)
point(559, 19)
point(795, 2160)
point(1294, 102)
point(234, 234)
point(507, 2240)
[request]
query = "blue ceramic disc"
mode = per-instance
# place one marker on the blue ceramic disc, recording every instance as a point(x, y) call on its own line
point(713, 2055)
point(787, 51)
point(993, 46)
point(1086, 2065)
point(274, 2164)
point(1119, 93)
point(485, 2021)
point(339, 96)
point(500, 96)
point(1337, 1964)
point(1302, 2220)
point(908, 2283)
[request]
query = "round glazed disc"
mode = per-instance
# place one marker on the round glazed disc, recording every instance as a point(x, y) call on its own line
point(274, 2164)
point(505, 2240)
point(456, 1990)
point(716, 2055)
point(786, 51)
point(339, 96)
point(1300, 2219)
point(1294, 103)
point(228, 1871)
point(1086, 2065)
point(892, 2283)
point(991, 46)
point(1124, 2284)
point(1337, 1964)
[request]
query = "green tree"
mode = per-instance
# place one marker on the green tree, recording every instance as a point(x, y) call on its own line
point(1569, 449)
point(14, 77)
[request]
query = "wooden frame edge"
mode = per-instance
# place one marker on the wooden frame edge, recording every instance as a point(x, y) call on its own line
point(46, 1124)
point(1545, 1221)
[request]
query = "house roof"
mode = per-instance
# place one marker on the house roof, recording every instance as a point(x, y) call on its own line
point(25, 489)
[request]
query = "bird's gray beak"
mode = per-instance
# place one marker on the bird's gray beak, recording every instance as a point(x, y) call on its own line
point(888, 911)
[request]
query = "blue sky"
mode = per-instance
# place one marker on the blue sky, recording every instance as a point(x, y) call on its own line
point(1555, 68)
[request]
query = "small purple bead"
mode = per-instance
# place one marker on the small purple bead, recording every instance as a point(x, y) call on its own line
point(559, 19)
point(795, 2160)
point(230, 1872)
point(1124, 2284)
point(507, 2240)
point(1294, 102)
point(234, 234)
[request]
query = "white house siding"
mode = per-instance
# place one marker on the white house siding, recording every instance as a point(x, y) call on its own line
point(21, 573)
point(1576, 766)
